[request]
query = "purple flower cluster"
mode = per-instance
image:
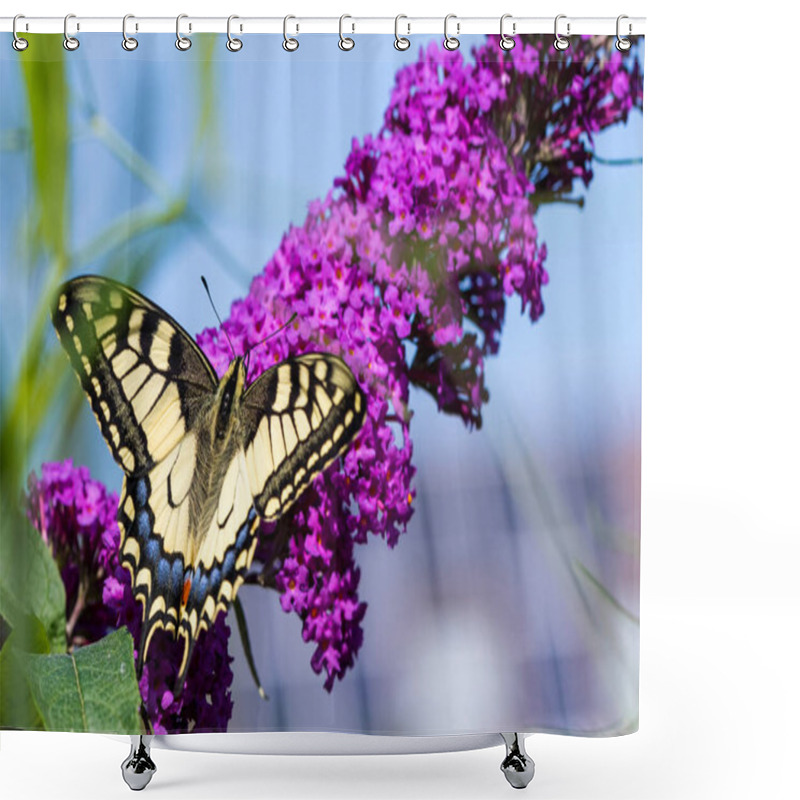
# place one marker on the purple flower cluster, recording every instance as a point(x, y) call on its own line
point(77, 517)
point(553, 103)
point(404, 270)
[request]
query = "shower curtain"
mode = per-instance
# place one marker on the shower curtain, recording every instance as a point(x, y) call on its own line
point(429, 527)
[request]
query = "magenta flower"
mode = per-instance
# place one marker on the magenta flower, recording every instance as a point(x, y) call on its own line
point(404, 270)
point(77, 517)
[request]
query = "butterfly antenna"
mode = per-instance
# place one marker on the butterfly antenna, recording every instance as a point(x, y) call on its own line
point(274, 333)
point(216, 313)
point(268, 337)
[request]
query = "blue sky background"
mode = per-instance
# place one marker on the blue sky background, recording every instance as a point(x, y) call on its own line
point(562, 423)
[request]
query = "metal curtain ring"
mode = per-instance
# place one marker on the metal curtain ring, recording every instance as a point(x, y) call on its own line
point(70, 42)
point(400, 42)
point(451, 42)
point(289, 44)
point(506, 42)
point(182, 42)
point(345, 42)
point(128, 42)
point(561, 43)
point(623, 44)
point(18, 43)
point(233, 44)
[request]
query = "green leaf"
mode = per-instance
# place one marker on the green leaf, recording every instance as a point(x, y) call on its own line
point(46, 84)
point(30, 583)
point(92, 689)
point(17, 709)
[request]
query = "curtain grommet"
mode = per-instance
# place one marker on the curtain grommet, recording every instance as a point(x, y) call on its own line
point(233, 44)
point(71, 43)
point(183, 43)
point(400, 42)
point(345, 42)
point(623, 44)
point(451, 42)
point(289, 44)
point(561, 42)
point(129, 43)
point(507, 42)
point(18, 43)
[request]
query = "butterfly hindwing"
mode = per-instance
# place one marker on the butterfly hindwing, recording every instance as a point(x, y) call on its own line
point(157, 576)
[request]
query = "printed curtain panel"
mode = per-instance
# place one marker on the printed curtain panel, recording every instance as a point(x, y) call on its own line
point(392, 487)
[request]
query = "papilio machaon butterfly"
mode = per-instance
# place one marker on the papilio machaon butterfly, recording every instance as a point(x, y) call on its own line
point(204, 457)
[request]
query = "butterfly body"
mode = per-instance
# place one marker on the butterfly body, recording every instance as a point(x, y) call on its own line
point(205, 458)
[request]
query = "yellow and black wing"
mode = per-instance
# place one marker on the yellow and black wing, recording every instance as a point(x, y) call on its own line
point(296, 419)
point(146, 379)
point(148, 384)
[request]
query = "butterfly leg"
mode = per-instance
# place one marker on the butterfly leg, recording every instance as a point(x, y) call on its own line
point(138, 768)
point(517, 766)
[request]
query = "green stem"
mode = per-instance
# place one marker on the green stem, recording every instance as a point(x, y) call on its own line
point(128, 227)
point(617, 162)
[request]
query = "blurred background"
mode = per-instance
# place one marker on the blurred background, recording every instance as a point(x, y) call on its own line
point(513, 597)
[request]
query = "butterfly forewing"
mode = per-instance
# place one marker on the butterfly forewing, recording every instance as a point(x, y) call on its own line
point(297, 418)
point(145, 378)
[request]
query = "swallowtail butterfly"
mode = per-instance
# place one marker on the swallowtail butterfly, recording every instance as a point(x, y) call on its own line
point(205, 458)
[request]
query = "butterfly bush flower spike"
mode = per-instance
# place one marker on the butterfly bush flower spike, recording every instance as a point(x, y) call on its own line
point(405, 270)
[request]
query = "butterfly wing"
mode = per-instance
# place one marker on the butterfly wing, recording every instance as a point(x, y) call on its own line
point(146, 379)
point(296, 419)
point(148, 384)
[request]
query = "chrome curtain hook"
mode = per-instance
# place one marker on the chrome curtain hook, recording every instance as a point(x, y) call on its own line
point(128, 42)
point(345, 42)
point(70, 42)
point(561, 42)
point(289, 44)
point(506, 42)
point(623, 44)
point(19, 44)
point(400, 42)
point(233, 44)
point(182, 42)
point(451, 42)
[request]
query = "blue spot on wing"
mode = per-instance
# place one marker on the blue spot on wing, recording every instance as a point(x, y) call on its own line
point(177, 576)
point(141, 493)
point(163, 574)
point(242, 536)
point(199, 589)
point(214, 580)
point(143, 526)
point(227, 564)
point(152, 552)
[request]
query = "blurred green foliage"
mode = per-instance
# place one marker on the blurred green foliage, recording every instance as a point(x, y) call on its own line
point(41, 685)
